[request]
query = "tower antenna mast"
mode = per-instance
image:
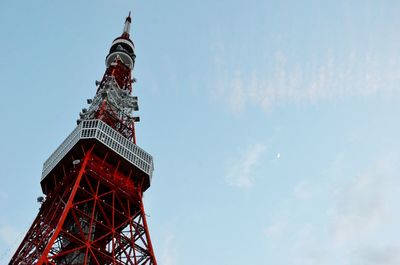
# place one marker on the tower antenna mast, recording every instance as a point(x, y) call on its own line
point(93, 210)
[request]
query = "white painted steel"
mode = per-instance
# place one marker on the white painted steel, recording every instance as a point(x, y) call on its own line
point(118, 99)
point(97, 129)
point(124, 56)
point(119, 40)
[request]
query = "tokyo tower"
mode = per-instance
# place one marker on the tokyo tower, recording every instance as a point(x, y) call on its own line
point(93, 212)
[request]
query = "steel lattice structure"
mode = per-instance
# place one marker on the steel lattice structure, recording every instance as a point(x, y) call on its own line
point(94, 181)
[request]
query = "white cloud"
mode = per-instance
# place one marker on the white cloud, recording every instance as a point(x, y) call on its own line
point(379, 256)
point(9, 235)
point(363, 224)
point(357, 224)
point(276, 229)
point(9, 240)
point(237, 95)
point(312, 80)
point(240, 171)
point(368, 205)
point(304, 190)
point(169, 254)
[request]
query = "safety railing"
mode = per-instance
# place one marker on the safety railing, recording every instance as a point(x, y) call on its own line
point(97, 129)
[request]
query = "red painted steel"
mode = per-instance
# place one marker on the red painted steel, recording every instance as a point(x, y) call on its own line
point(94, 214)
point(99, 218)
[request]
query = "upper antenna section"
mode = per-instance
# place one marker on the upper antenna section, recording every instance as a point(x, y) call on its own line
point(127, 26)
point(122, 48)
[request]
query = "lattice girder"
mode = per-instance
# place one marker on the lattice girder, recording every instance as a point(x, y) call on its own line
point(89, 219)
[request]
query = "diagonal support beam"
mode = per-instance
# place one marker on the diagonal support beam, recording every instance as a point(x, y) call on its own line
point(44, 257)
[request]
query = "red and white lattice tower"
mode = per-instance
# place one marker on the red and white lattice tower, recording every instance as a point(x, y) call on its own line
point(94, 181)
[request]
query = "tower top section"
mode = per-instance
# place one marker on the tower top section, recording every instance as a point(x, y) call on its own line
point(108, 121)
point(113, 102)
point(127, 26)
point(123, 48)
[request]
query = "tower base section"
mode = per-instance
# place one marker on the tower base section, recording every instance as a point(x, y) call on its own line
point(95, 215)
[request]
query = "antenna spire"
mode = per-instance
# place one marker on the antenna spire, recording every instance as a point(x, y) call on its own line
point(127, 26)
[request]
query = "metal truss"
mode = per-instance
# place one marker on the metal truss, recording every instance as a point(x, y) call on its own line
point(113, 102)
point(94, 216)
point(105, 134)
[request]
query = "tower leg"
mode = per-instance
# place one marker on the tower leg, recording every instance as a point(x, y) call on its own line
point(90, 218)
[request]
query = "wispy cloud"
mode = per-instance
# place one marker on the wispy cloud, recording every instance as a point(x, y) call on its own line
point(276, 229)
point(9, 235)
point(241, 169)
point(361, 224)
point(369, 204)
point(169, 254)
point(286, 81)
point(10, 238)
point(387, 255)
point(304, 190)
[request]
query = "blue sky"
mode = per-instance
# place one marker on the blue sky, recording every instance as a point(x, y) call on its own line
point(273, 124)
